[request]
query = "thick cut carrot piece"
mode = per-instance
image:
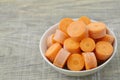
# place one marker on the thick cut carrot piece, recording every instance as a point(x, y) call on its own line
point(85, 19)
point(60, 36)
point(71, 45)
point(61, 58)
point(64, 23)
point(96, 30)
point(87, 44)
point(52, 51)
point(86, 35)
point(103, 50)
point(77, 30)
point(75, 62)
point(50, 40)
point(108, 38)
point(90, 60)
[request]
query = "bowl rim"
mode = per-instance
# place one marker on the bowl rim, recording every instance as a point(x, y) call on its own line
point(83, 71)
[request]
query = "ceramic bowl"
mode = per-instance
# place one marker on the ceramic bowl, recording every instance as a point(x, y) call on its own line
point(43, 48)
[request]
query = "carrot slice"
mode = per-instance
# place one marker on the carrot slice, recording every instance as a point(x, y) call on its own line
point(87, 44)
point(52, 51)
point(71, 45)
point(90, 60)
point(60, 36)
point(64, 23)
point(50, 40)
point(108, 38)
point(85, 19)
point(75, 62)
point(77, 30)
point(96, 30)
point(61, 58)
point(103, 50)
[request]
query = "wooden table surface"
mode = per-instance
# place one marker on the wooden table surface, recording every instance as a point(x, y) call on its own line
point(23, 22)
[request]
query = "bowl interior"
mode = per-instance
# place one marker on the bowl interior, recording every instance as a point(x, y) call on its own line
point(43, 48)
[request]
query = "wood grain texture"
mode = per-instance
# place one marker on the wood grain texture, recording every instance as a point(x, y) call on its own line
point(23, 22)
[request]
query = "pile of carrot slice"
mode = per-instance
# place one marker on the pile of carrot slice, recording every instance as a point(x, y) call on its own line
point(79, 44)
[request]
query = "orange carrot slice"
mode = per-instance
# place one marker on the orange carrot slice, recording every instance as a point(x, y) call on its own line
point(85, 19)
point(75, 62)
point(71, 45)
point(61, 58)
point(96, 30)
point(87, 44)
point(77, 30)
point(52, 51)
point(50, 40)
point(90, 60)
point(60, 36)
point(103, 50)
point(64, 23)
point(108, 38)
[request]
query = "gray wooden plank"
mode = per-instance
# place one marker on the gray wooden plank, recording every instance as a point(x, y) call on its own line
point(23, 22)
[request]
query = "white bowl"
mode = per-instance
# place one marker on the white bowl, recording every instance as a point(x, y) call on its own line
point(43, 48)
